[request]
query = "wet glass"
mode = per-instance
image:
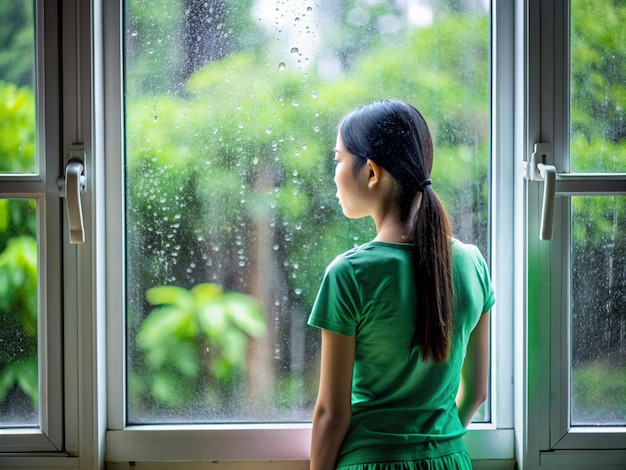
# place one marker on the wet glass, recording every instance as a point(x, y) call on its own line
point(19, 389)
point(598, 311)
point(231, 215)
point(19, 376)
point(598, 87)
point(17, 92)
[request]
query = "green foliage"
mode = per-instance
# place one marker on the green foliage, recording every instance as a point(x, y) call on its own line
point(599, 393)
point(598, 88)
point(18, 298)
point(193, 336)
point(17, 129)
point(17, 42)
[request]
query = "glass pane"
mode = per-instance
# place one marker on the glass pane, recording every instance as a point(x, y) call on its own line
point(17, 94)
point(230, 111)
point(598, 303)
point(598, 86)
point(19, 390)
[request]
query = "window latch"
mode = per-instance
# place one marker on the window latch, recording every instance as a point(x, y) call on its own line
point(70, 186)
point(538, 170)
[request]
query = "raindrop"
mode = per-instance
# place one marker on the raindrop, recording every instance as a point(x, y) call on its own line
point(294, 51)
point(276, 247)
point(309, 8)
point(134, 34)
point(155, 117)
point(296, 103)
point(242, 262)
point(316, 129)
point(314, 94)
point(268, 130)
point(295, 172)
point(281, 66)
point(298, 291)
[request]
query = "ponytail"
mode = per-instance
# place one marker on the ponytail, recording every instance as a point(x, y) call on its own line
point(432, 257)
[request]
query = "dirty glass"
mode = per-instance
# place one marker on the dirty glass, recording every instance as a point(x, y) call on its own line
point(18, 313)
point(598, 87)
point(17, 102)
point(19, 389)
point(598, 311)
point(231, 215)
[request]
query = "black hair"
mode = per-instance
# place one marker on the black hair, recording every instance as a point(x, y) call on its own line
point(394, 135)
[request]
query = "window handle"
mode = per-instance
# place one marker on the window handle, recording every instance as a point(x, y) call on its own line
point(538, 170)
point(70, 187)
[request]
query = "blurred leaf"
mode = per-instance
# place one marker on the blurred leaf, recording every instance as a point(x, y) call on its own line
point(170, 295)
point(246, 313)
point(212, 319)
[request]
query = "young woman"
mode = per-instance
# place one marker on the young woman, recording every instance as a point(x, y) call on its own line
point(405, 317)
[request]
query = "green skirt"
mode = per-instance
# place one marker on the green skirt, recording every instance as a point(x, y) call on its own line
point(456, 461)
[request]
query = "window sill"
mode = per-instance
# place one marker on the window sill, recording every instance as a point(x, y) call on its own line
point(277, 442)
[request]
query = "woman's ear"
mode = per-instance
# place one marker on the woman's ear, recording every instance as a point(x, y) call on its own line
point(375, 173)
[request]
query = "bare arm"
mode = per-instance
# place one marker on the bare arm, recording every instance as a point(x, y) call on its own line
point(333, 410)
point(475, 372)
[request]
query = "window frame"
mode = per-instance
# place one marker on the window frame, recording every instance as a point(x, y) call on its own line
point(492, 440)
point(554, 442)
point(41, 185)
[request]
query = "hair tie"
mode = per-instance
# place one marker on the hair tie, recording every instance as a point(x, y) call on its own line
point(426, 182)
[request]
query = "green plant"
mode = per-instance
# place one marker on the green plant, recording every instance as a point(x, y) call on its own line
point(194, 336)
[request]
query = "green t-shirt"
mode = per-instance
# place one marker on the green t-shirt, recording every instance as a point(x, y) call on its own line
point(402, 408)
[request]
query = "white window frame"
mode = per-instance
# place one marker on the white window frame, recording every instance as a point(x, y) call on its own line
point(266, 442)
point(552, 442)
point(48, 436)
point(72, 330)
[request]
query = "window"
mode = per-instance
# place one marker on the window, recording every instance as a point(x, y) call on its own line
point(576, 375)
point(30, 322)
point(555, 76)
point(228, 202)
point(231, 218)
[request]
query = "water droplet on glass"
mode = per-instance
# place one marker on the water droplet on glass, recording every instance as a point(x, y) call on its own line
point(134, 34)
point(296, 103)
point(240, 125)
point(155, 117)
point(298, 291)
point(281, 66)
point(314, 94)
point(295, 172)
point(316, 129)
point(294, 51)
point(309, 8)
point(268, 130)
